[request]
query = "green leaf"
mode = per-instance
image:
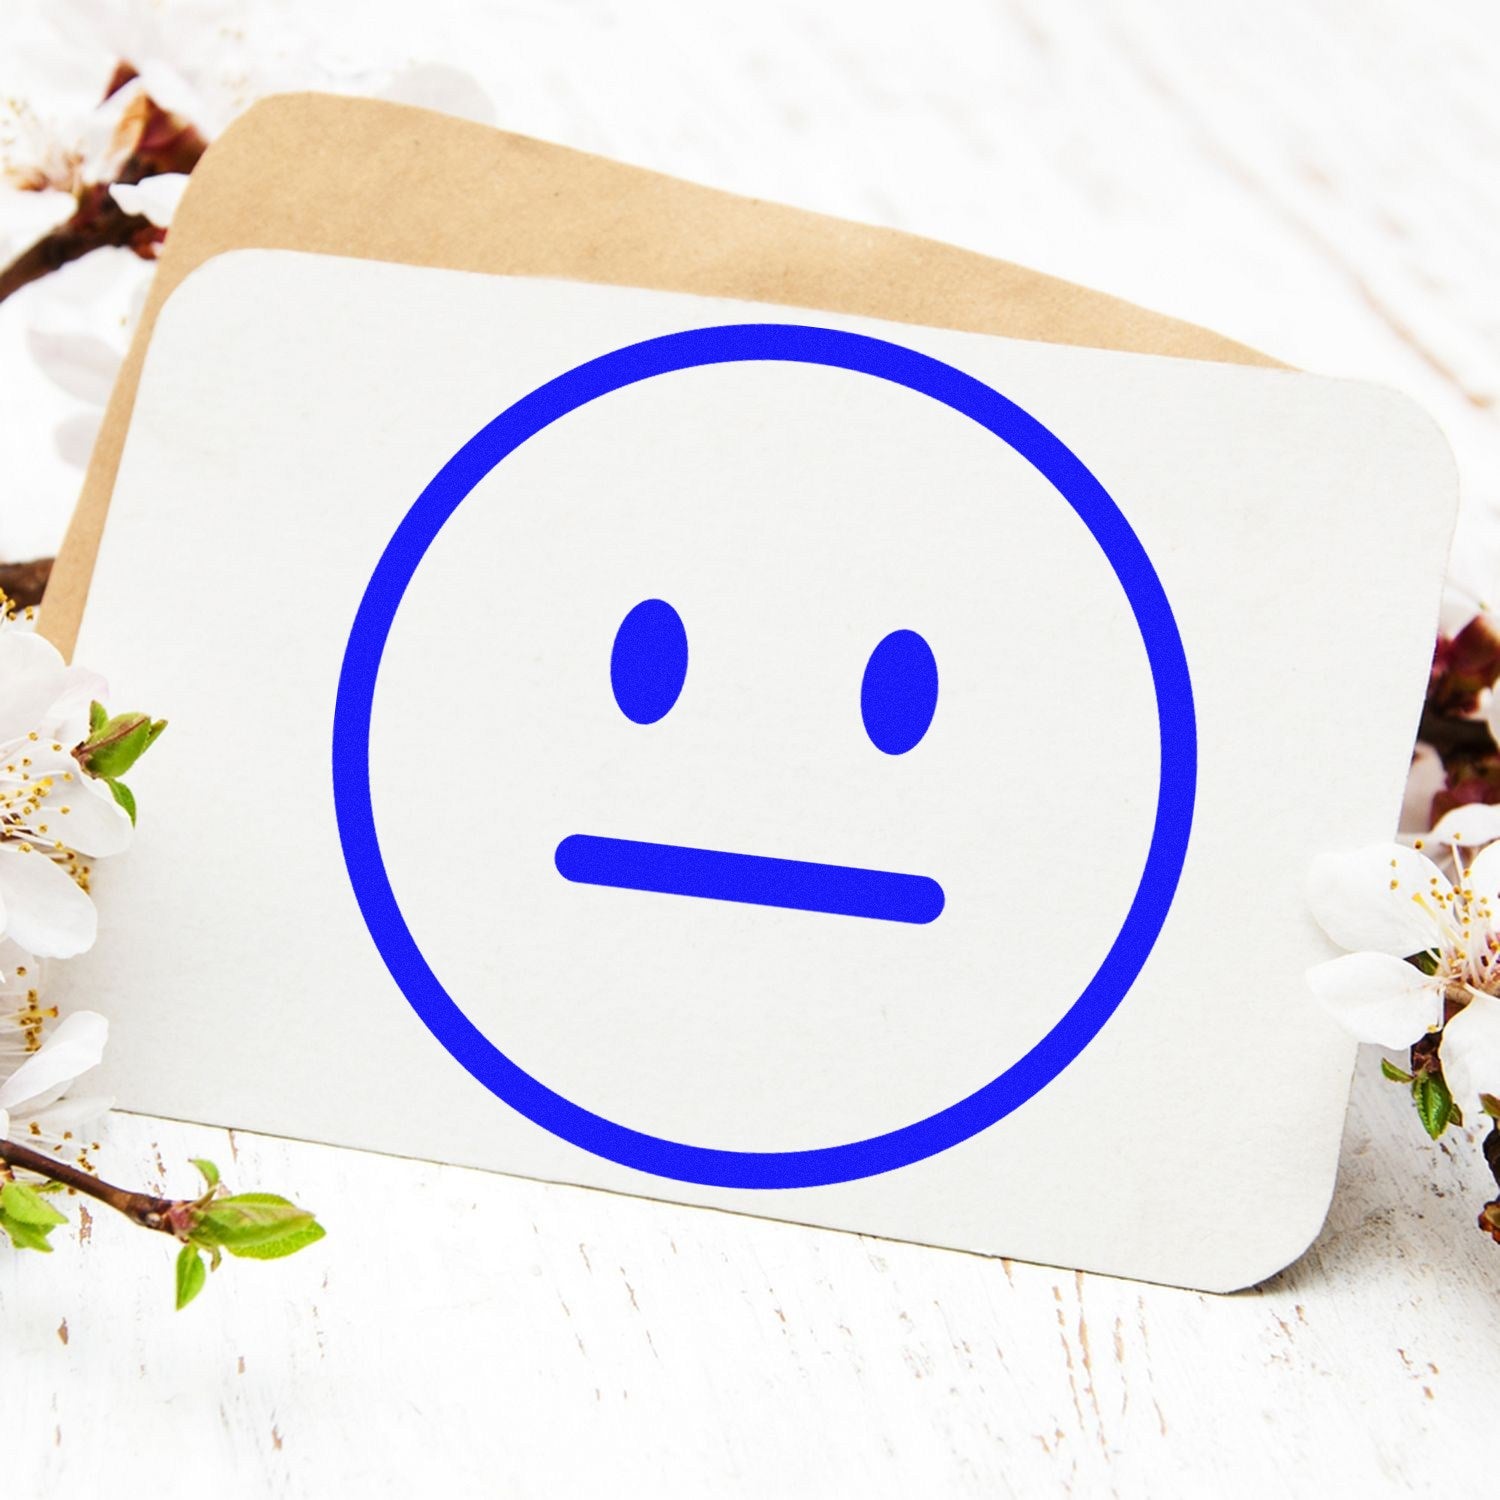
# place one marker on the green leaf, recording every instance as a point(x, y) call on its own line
point(115, 748)
point(22, 1201)
point(248, 1221)
point(26, 1218)
point(1427, 962)
point(208, 1169)
point(156, 732)
point(123, 795)
point(1392, 1072)
point(25, 1236)
point(1490, 1105)
point(191, 1274)
point(98, 717)
point(289, 1243)
point(1435, 1106)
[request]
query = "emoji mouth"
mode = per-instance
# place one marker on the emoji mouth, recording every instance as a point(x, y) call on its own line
point(753, 879)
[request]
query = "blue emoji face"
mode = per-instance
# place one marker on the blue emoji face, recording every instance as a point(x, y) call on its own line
point(762, 852)
point(647, 671)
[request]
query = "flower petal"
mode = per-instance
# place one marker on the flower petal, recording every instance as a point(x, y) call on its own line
point(1492, 715)
point(30, 681)
point(1384, 898)
point(67, 718)
point(441, 87)
point(1473, 824)
point(74, 437)
point(44, 910)
point(81, 364)
point(1481, 881)
point(155, 198)
point(40, 692)
point(76, 1046)
point(1470, 1051)
point(26, 217)
point(71, 1116)
point(19, 970)
point(94, 824)
point(1378, 998)
point(111, 132)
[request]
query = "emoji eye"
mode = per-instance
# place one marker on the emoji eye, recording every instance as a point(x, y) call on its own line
point(899, 694)
point(649, 661)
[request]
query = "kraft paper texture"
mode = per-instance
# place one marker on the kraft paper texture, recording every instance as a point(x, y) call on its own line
point(380, 181)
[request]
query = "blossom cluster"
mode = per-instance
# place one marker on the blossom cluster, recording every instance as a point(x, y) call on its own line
point(1421, 917)
point(57, 814)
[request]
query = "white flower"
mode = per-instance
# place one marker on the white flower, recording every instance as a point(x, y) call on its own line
point(200, 61)
point(194, 59)
point(1471, 1049)
point(23, 1018)
point(197, 61)
point(51, 812)
point(78, 325)
point(41, 1058)
point(1389, 903)
point(1468, 827)
point(34, 1108)
point(75, 322)
point(49, 156)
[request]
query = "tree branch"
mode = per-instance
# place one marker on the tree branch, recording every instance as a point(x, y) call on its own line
point(1455, 737)
point(99, 222)
point(24, 583)
point(150, 1212)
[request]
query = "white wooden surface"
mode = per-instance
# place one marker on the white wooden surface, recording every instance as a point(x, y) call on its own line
point(1320, 180)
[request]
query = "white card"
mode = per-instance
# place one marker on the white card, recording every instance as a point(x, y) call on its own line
point(766, 803)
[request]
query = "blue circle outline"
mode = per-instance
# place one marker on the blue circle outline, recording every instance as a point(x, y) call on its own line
point(801, 344)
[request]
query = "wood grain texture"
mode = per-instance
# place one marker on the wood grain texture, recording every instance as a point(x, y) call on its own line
point(551, 1340)
point(1319, 181)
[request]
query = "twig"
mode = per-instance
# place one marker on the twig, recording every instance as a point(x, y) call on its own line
point(1450, 736)
point(100, 222)
point(24, 583)
point(162, 142)
point(165, 1214)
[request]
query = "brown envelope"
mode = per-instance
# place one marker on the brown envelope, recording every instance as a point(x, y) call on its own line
point(359, 177)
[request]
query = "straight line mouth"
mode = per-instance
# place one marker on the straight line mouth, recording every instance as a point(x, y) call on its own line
point(752, 879)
